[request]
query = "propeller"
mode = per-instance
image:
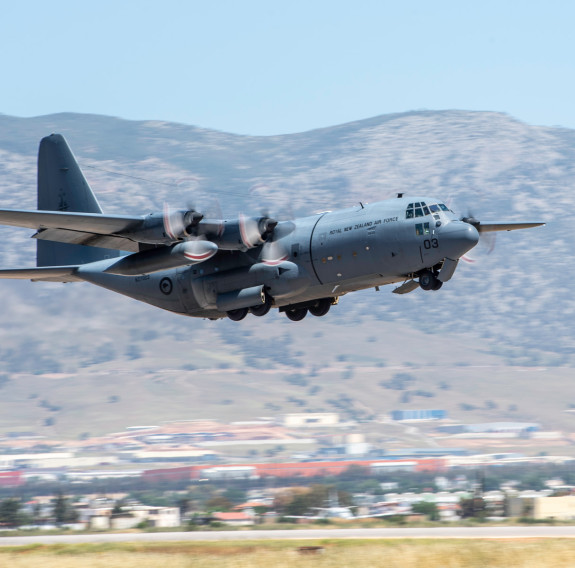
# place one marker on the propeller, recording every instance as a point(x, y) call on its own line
point(470, 218)
point(486, 244)
point(255, 231)
point(179, 223)
point(275, 250)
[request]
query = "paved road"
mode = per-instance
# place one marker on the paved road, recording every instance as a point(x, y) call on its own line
point(440, 532)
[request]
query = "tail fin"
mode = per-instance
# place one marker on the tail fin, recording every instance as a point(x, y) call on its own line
point(62, 187)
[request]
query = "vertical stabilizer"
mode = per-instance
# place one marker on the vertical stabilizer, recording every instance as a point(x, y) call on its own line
point(62, 187)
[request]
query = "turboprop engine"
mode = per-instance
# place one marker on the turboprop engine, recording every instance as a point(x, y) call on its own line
point(242, 233)
point(168, 227)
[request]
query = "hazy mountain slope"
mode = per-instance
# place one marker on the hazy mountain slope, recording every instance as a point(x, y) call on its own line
point(516, 304)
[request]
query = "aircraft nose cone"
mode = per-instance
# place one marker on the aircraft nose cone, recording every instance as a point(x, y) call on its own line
point(461, 237)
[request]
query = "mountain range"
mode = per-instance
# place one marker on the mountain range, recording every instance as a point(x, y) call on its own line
point(511, 310)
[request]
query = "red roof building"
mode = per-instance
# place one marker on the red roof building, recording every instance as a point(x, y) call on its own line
point(11, 479)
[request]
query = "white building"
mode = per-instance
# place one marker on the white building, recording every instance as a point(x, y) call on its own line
point(310, 420)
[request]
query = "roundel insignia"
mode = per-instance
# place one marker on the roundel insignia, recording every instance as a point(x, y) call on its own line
point(166, 286)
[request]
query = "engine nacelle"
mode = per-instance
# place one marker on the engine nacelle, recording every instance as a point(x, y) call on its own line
point(238, 299)
point(291, 280)
point(163, 258)
point(281, 281)
point(165, 228)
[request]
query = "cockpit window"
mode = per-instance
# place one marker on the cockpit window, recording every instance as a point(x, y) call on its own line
point(443, 207)
point(434, 208)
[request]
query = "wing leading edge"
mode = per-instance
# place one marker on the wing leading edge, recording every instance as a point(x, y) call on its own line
point(492, 227)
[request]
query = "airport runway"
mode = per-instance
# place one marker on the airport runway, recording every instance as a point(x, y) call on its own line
point(315, 534)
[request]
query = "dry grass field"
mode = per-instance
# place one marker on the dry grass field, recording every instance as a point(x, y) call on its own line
point(556, 553)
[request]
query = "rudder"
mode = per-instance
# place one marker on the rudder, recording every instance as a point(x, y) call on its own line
point(63, 187)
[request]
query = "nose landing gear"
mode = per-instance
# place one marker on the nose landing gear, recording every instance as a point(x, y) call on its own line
point(429, 281)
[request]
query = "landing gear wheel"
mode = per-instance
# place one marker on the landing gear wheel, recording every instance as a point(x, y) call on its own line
point(427, 280)
point(238, 315)
point(437, 284)
point(321, 308)
point(262, 309)
point(296, 314)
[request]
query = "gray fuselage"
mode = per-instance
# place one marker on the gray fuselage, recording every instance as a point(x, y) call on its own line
point(323, 256)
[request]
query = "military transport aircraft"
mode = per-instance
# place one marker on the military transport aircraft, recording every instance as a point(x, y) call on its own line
point(181, 261)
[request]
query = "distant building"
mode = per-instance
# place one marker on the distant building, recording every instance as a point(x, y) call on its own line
point(406, 453)
point(11, 479)
point(233, 519)
point(230, 472)
point(101, 518)
point(401, 415)
point(516, 428)
point(310, 420)
point(286, 470)
point(382, 468)
point(559, 508)
point(156, 456)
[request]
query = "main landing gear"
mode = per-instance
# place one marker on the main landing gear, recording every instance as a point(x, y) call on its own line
point(429, 281)
point(262, 309)
point(318, 308)
point(238, 315)
point(259, 311)
point(295, 312)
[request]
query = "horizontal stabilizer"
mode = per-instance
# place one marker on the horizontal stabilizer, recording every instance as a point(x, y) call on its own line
point(43, 274)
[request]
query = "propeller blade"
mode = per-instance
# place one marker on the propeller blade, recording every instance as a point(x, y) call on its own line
point(274, 253)
point(485, 246)
point(178, 223)
point(173, 222)
point(275, 250)
point(255, 231)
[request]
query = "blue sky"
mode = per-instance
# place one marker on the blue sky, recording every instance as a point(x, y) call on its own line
point(265, 67)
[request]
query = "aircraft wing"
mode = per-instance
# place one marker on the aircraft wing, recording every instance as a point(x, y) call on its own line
point(492, 227)
point(89, 229)
point(43, 274)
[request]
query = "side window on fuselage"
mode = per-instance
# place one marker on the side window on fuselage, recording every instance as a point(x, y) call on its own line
point(422, 229)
